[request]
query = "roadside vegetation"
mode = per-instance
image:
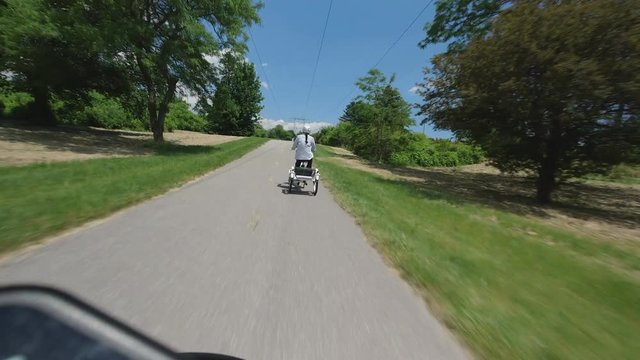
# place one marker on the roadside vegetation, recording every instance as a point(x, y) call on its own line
point(131, 69)
point(44, 199)
point(511, 286)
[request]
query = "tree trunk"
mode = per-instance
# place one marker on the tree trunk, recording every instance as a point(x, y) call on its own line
point(41, 108)
point(548, 169)
point(546, 183)
point(164, 106)
point(152, 106)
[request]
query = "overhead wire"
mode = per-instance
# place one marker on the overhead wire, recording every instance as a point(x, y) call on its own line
point(264, 73)
point(315, 68)
point(386, 52)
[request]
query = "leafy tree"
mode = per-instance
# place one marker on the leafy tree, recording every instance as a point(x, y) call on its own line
point(165, 43)
point(461, 20)
point(552, 89)
point(52, 47)
point(380, 116)
point(236, 104)
point(278, 132)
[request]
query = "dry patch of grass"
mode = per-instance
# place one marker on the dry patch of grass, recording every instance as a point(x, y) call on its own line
point(20, 145)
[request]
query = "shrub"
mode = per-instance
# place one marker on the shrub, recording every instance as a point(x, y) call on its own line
point(180, 117)
point(15, 105)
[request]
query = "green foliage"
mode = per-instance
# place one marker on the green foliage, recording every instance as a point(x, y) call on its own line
point(278, 132)
point(43, 42)
point(236, 104)
point(15, 105)
point(119, 46)
point(461, 20)
point(379, 118)
point(341, 135)
point(425, 152)
point(171, 47)
point(550, 89)
point(99, 111)
point(106, 113)
point(180, 117)
point(259, 131)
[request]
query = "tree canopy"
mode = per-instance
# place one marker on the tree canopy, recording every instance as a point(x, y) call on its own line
point(553, 88)
point(235, 107)
point(161, 48)
point(379, 116)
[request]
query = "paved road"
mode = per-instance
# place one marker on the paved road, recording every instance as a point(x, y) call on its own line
point(232, 264)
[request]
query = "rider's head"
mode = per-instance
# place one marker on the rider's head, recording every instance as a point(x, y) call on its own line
point(306, 129)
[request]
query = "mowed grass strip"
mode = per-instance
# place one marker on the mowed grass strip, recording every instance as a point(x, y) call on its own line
point(42, 199)
point(511, 287)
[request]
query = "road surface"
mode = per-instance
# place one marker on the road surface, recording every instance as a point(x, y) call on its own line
point(232, 264)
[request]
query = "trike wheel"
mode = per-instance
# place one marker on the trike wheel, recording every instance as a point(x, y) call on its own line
point(290, 185)
point(316, 185)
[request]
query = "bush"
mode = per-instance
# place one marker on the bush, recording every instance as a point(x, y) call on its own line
point(415, 149)
point(180, 117)
point(259, 131)
point(105, 112)
point(15, 105)
point(425, 152)
point(100, 111)
point(279, 132)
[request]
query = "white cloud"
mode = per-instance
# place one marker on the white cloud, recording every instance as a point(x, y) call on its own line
point(264, 84)
point(414, 90)
point(187, 95)
point(212, 59)
point(265, 64)
point(295, 126)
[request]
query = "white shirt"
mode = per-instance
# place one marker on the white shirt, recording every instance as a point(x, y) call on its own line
point(304, 150)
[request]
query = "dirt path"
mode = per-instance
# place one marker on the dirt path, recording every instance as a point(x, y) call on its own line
point(27, 145)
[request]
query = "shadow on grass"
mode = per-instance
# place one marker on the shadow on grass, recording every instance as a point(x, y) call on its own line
point(86, 140)
point(169, 149)
point(81, 140)
point(612, 204)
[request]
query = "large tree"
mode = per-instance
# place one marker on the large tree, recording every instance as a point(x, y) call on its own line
point(552, 88)
point(380, 116)
point(52, 47)
point(459, 21)
point(168, 44)
point(235, 106)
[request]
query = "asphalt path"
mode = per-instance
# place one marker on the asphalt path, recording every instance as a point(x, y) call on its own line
point(232, 263)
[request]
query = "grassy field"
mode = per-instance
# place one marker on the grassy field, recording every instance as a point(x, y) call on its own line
point(40, 200)
point(511, 287)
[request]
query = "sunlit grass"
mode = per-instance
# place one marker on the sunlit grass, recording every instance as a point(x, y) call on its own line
point(511, 287)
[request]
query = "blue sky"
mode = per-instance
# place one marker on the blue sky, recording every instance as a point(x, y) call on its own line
point(357, 35)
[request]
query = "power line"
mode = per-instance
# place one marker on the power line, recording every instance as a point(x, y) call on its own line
point(391, 47)
point(315, 69)
point(264, 73)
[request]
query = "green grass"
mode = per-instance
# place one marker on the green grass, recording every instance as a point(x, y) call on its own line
point(511, 287)
point(42, 199)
